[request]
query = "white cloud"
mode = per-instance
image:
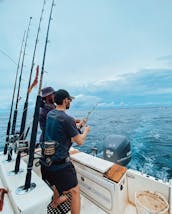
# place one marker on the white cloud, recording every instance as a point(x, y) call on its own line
point(160, 91)
point(106, 105)
point(85, 101)
point(102, 57)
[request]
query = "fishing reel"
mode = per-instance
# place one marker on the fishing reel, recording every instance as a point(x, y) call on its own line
point(22, 145)
point(12, 139)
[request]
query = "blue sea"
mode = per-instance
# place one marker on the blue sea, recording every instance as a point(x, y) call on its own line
point(148, 129)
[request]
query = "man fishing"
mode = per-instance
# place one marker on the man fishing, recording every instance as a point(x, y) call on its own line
point(61, 131)
point(46, 106)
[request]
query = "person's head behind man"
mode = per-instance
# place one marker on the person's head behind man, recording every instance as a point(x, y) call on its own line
point(62, 97)
point(48, 94)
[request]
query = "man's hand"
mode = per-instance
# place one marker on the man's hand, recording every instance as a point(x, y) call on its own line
point(80, 138)
point(86, 129)
point(80, 123)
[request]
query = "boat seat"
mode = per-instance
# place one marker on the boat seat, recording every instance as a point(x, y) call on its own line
point(92, 162)
point(116, 172)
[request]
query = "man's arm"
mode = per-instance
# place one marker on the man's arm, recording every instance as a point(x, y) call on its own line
point(80, 138)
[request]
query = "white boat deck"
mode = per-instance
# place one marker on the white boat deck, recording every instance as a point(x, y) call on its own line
point(23, 203)
point(130, 209)
point(99, 194)
point(88, 207)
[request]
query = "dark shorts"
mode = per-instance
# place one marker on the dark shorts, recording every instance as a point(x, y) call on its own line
point(64, 179)
point(43, 172)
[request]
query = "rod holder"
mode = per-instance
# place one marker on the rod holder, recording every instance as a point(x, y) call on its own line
point(21, 189)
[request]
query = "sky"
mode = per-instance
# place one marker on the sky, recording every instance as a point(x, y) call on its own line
point(116, 53)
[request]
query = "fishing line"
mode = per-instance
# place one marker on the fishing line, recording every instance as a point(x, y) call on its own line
point(87, 117)
point(10, 58)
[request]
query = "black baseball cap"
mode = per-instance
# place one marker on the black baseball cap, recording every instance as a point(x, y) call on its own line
point(61, 94)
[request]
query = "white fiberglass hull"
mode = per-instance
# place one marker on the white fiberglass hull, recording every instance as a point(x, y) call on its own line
point(99, 194)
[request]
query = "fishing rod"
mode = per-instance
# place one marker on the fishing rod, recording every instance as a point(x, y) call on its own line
point(24, 115)
point(89, 112)
point(23, 122)
point(17, 98)
point(87, 117)
point(28, 184)
point(12, 101)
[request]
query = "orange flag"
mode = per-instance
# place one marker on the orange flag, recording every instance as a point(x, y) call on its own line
point(35, 80)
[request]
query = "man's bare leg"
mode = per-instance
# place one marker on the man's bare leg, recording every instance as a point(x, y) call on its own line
point(75, 202)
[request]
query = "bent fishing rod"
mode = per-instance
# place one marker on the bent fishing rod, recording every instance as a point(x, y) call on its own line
point(25, 108)
point(89, 112)
point(86, 119)
point(28, 183)
point(18, 94)
point(12, 101)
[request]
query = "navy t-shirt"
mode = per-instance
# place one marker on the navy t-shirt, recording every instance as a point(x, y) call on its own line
point(60, 127)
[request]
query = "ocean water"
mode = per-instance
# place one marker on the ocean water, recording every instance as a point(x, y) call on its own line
point(148, 129)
